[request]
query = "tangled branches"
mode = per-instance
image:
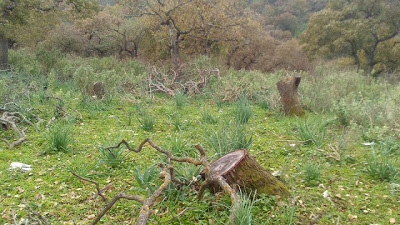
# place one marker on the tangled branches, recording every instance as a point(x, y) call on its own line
point(10, 118)
point(168, 176)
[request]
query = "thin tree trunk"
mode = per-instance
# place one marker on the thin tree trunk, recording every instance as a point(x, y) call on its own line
point(175, 55)
point(3, 53)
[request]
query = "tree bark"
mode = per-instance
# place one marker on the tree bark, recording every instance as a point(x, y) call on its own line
point(240, 169)
point(287, 88)
point(3, 53)
point(174, 45)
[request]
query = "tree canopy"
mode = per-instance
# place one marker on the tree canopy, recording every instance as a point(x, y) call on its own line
point(366, 30)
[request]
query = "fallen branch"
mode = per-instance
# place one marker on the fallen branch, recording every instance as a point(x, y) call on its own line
point(99, 191)
point(37, 214)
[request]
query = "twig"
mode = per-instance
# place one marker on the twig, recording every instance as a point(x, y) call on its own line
point(14, 216)
point(99, 192)
point(113, 201)
point(42, 218)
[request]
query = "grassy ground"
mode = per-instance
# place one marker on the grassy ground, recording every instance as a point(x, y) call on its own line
point(338, 167)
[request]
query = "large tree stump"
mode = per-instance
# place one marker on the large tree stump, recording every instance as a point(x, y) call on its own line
point(287, 88)
point(239, 168)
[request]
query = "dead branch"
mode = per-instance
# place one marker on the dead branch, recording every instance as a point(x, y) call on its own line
point(99, 191)
point(9, 120)
point(209, 178)
point(37, 214)
point(113, 201)
point(156, 147)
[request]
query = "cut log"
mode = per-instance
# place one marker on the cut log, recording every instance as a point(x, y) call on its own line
point(239, 168)
point(287, 88)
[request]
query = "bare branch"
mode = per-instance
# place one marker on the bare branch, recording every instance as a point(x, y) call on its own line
point(99, 191)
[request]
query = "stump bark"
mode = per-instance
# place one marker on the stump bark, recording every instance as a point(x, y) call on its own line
point(239, 168)
point(287, 88)
point(98, 89)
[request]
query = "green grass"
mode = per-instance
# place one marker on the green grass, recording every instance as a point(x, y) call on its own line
point(62, 198)
point(59, 138)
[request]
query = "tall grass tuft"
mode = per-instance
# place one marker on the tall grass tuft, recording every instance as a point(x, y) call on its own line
point(112, 157)
point(176, 121)
point(58, 138)
point(146, 121)
point(180, 99)
point(145, 178)
point(311, 130)
point(207, 117)
point(229, 137)
point(178, 147)
point(242, 211)
point(383, 169)
point(243, 111)
point(311, 173)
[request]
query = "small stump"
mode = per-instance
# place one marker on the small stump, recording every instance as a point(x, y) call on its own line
point(98, 89)
point(239, 168)
point(287, 88)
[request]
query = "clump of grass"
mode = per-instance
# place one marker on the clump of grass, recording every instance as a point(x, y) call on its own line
point(265, 104)
point(145, 178)
point(82, 168)
point(58, 138)
point(383, 169)
point(180, 99)
point(243, 110)
point(207, 117)
point(146, 121)
point(311, 173)
point(229, 137)
point(178, 147)
point(176, 121)
point(389, 146)
point(242, 211)
point(311, 130)
point(112, 157)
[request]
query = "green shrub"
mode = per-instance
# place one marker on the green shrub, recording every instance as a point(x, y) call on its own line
point(59, 138)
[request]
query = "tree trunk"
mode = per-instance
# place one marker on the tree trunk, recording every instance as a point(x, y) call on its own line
point(287, 88)
point(174, 39)
point(3, 53)
point(239, 168)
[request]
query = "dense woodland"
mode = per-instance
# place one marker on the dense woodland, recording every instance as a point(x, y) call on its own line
point(98, 97)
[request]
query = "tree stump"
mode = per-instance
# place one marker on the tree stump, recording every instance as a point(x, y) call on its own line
point(287, 88)
point(239, 168)
point(3, 53)
point(98, 89)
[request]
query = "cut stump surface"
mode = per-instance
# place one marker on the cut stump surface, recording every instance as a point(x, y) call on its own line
point(241, 169)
